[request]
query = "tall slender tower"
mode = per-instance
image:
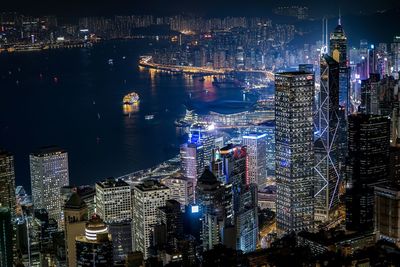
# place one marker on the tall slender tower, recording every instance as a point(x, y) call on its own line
point(49, 172)
point(7, 181)
point(256, 158)
point(294, 159)
point(326, 124)
point(338, 51)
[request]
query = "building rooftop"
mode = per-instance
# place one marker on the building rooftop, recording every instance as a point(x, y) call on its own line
point(4, 153)
point(75, 202)
point(44, 151)
point(111, 182)
point(150, 185)
point(292, 73)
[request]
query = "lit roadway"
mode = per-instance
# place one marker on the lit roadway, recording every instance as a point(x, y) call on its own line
point(146, 61)
point(268, 229)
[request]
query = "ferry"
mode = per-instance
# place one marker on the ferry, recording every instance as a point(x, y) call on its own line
point(131, 98)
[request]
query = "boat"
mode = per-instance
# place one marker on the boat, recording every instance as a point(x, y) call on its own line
point(149, 117)
point(110, 61)
point(131, 98)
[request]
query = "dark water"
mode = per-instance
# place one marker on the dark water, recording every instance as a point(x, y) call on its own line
point(72, 98)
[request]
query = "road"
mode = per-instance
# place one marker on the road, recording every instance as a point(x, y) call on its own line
point(269, 228)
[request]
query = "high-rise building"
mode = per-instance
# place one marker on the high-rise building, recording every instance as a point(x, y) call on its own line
point(338, 51)
point(387, 212)
point(6, 237)
point(256, 158)
point(114, 205)
point(49, 172)
point(369, 95)
point(75, 217)
point(181, 189)
point(246, 218)
point(294, 157)
point(326, 125)
point(94, 248)
point(192, 161)
point(147, 198)
point(113, 200)
point(203, 135)
point(7, 181)
point(210, 198)
point(367, 164)
point(170, 219)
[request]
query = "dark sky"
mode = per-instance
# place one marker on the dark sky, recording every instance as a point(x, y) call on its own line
point(202, 7)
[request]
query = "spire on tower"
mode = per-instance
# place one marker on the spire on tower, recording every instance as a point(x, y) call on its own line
point(340, 18)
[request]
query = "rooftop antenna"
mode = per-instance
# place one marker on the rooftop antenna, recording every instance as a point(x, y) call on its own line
point(340, 18)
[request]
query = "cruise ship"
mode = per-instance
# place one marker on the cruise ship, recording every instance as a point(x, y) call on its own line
point(131, 98)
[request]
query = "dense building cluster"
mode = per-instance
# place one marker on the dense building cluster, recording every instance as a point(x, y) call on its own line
point(321, 186)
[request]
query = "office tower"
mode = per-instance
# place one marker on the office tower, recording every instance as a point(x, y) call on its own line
point(234, 162)
point(387, 212)
point(367, 164)
point(121, 234)
point(49, 172)
point(6, 237)
point(256, 158)
point(369, 95)
point(326, 125)
point(114, 205)
point(246, 218)
point(338, 51)
point(294, 155)
point(7, 181)
point(113, 200)
point(192, 161)
point(395, 51)
point(94, 248)
point(210, 198)
point(147, 197)
point(394, 163)
point(203, 135)
point(88, 194)
point(170, 222)
point(181, 189)
point(75, 218)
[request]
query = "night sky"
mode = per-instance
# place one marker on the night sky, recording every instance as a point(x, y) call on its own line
point(202, 7)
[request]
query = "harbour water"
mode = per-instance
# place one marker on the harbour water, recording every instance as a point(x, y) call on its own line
point(73, 98)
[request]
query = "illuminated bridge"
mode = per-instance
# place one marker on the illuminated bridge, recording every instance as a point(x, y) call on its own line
point(146, 61)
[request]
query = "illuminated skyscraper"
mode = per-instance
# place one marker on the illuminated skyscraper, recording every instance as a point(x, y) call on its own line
point(203, 135)
point(114, 205)
point(326, 125)
point(113, 200)
point(7, 181)
point(49, 172)
point(192, 161)
point(256, 158)
point(94, 248)
point(181, 189)
point(147, 198)
point(338, 51)
point(294, 95)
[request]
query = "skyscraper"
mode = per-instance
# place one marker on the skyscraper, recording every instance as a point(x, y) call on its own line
point(6, 230)
point(192, 161)
point(367, 164)
point(210, 198)
point(338, 51)
point(94, 248)
point(49, 172)
point(147, 198)
point(256, 158)
point(203, 135)
point(181, 189)
point(7, 181)
point(113, 200)
point(326, 125)
point(294, 95)
point(75, 214)
point(114, 205)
